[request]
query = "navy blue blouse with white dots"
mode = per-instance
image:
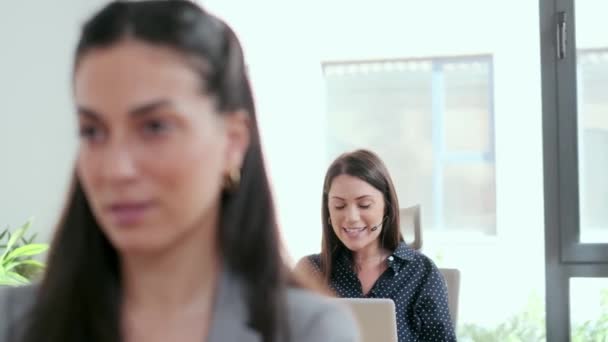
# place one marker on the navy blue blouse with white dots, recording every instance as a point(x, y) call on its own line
point(413, 282)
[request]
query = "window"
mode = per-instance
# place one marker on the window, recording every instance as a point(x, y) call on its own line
point(431, 121)
point(574, 78)
point(592, 65)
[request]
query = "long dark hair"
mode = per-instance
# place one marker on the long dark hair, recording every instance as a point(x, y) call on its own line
point(80, 295)
point(368, 167)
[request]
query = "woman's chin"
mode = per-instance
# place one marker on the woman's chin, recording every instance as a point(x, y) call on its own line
point(355, 245)
point(136, 243)
point(126, 248)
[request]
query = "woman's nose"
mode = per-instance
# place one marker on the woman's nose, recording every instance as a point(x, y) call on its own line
point(352, 214)
point(118, 164)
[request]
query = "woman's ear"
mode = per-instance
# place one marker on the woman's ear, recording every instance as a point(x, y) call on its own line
point(238, 132)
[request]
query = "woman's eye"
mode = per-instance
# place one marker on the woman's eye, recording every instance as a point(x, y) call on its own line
point(90, 132)
point(339, 207)
point(364, 206)
point(156, 127)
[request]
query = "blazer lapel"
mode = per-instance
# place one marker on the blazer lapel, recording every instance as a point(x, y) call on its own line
point(230, 313)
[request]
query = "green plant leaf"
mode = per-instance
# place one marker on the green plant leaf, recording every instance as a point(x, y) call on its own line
point(12, 279)
point(34, 263)
point(15, 237)
point(4, 233)
point(27, 241)
point(23, 251)
point(18, 277)
point(6, 281)
point(17, 252)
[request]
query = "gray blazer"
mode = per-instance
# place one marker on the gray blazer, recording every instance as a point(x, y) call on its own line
point(312, 318)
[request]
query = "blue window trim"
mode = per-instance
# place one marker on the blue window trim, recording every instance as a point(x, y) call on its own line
point(438, 138)
point(441, 156)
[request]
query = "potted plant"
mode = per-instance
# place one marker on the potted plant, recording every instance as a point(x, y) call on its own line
point(18, 265)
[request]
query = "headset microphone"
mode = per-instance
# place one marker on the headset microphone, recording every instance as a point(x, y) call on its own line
point(374, 228)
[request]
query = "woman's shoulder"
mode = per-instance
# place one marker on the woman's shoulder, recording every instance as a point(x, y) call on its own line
point(15, 302)
point(312, 261)
point(407, 253)
point(314, 317)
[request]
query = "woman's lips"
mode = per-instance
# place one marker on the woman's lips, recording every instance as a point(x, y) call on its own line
point(353, 232)
point(128, 213)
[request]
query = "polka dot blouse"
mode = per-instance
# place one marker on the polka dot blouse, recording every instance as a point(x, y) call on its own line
point(413, 282)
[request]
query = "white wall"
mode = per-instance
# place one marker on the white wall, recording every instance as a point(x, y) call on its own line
point(37, 126)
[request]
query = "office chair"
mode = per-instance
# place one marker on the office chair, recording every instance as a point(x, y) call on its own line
point(411, 227)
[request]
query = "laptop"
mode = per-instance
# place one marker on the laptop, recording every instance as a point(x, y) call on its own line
point(376, 318)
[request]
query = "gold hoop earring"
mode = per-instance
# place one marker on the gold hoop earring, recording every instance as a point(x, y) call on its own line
point(232, 180)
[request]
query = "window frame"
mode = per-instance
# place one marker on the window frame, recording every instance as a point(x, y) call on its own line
point(565, 256)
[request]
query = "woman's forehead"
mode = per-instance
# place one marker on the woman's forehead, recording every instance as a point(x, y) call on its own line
point(131, 73)
point(350, 187)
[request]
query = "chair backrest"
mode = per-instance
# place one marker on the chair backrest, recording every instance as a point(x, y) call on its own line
point(411, 228)
point(452, 280)
point(409, 220)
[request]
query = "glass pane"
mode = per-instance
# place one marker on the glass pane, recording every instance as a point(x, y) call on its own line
point(592, 68)
point(468, 107)
point(470, 197)
point(589, 309)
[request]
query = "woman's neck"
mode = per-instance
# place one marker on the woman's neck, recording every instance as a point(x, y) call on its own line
point(370, 256)
point(181, 278)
